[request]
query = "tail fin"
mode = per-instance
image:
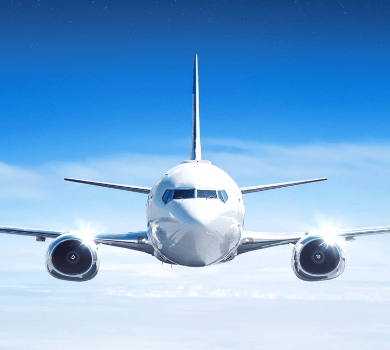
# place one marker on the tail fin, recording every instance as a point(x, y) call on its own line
point(195, 128)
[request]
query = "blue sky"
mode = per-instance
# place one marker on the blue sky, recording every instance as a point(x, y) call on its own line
point(93, 75)
point(101, 90)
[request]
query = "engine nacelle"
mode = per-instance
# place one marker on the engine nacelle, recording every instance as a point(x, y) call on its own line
point(72, 258)
point(316, 259)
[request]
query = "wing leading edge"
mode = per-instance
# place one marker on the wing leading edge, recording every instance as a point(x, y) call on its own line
point(132, 240)
point(138, 189)
point(146, 190)
point(251, 241)
point(31, 232)
point(261, 240)
point(245, 190)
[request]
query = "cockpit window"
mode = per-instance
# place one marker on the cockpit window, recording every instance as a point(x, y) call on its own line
point(206, 194)
point(167, 197)
point(184, 194)
point(223, 196)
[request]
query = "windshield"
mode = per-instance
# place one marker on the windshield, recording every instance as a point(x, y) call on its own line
point(184, 194)
point(206, 194)
point(192, 193)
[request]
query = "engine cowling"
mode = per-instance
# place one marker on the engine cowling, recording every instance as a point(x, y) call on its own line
point(72, 258)
point(315, 259)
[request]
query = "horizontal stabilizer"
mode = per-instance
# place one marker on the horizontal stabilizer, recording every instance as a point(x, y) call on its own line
point(31, 232)
point(144, 190)
point(252, 189)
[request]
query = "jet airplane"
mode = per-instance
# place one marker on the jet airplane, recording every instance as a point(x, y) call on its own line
point(195, 217)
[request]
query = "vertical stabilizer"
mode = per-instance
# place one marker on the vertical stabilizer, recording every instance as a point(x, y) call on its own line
point(195, 129)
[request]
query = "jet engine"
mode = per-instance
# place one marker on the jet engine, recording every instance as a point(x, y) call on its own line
point(315, 258)
point(72, 258)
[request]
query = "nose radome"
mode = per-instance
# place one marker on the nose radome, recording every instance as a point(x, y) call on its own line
point(196, 246)
point(201, 234)
point(197, 212)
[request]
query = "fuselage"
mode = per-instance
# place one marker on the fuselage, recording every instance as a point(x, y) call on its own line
point(195, 215)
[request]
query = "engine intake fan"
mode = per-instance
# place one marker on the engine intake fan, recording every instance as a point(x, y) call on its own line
point(316, 259)
point(72, 258)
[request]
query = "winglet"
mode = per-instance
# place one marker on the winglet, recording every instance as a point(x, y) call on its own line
point(195, 128)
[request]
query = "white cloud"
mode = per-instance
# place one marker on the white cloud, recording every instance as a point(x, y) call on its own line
point(21, 184)
point(356, 195)
point(21, 266)
point(366, 294)
point(143, 169)
point(357, 173)
point(337, 159)
point(151, 270)
point(244, 161)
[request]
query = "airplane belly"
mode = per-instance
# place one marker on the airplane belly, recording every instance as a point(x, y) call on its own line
point(195, 245)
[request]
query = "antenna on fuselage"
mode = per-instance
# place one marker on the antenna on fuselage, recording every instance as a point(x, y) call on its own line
point(195, 128)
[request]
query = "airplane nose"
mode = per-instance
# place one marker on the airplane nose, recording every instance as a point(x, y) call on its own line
point(199, 235)
point(195, 213)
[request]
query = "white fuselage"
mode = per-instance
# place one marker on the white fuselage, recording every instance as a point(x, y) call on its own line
point(195, 231)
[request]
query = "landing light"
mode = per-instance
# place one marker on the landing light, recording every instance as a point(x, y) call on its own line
point(85, 234)
point(329, 235)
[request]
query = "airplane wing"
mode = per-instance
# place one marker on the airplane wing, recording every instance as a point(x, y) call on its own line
point(43, 234)
point(132, 240)
point(261, 240)
point(138, 189)
point(245, 190)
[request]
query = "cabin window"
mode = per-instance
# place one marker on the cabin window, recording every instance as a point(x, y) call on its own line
point(206, 194)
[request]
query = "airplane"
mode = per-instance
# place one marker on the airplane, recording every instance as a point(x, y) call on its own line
point(195, 217)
